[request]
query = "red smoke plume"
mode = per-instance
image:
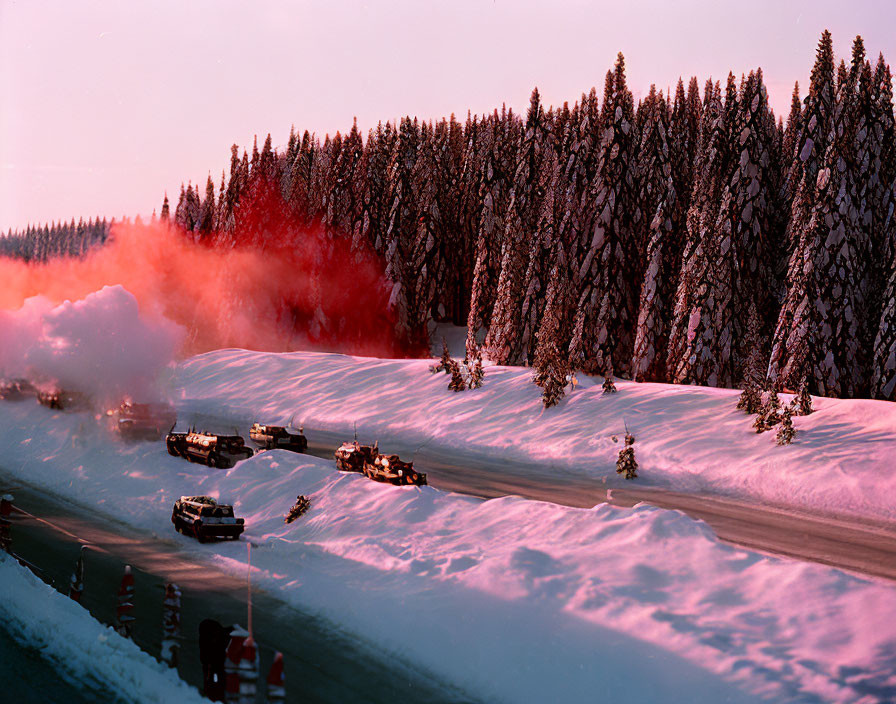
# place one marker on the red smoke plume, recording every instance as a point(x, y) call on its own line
point(313, 293)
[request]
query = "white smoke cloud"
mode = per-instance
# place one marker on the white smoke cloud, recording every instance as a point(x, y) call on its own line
point(101, 345)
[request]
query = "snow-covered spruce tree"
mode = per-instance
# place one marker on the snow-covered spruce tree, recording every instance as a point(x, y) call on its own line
point(403, 263)
point(300, 192)
point(750, 400)
point(802, 402)
point(496, 179)
point(824, 322)
point(610, 273)
point(690, 359)
point(734, 250)
point(344, 211)
point(665, 237)
point(541, 263)
point(166, 210)
point(457, 380)
point(475, 371)
point(206, 224)
point(444, 364)
point(810, 143)
point(786, 432)
point(626, 464)
point(769, 412)
point(553, 378)
point(504, 339)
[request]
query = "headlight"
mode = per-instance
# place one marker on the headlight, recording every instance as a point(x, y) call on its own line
point(385, 463)
point(399, 472)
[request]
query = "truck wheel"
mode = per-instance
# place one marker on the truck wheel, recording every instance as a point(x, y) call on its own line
point(212, 460)
point(197, 532)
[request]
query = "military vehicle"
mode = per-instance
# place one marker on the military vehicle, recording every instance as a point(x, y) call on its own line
point(61, 400)
point(276, 437)
point(204, 518)
point(393, 470)
point(17, 390)
point(351, 457)
point(144, 421)
point(220, 451)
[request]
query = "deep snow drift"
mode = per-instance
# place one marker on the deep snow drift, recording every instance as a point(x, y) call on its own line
point(689, 439)
point(81, 647)
point(510, 599)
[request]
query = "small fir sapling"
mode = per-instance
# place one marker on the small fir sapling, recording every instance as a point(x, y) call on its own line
point(444, 364)
point(802, 402)
point(750, 400)
point(626, 464)
point(457, 380)
point(768, 415)
point(609, 387)
point(476, 372)
point(554, 378)
point(785, 433)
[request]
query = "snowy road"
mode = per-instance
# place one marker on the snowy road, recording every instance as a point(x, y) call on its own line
point(863, 547)
point(321, 665)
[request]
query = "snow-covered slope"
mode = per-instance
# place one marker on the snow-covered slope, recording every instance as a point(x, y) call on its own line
point(82, 648)
point(690, 439)
point(512, 600)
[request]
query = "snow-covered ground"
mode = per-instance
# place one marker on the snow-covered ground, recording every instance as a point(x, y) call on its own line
point(690, 439)
point(512, 600)
point(81, 648)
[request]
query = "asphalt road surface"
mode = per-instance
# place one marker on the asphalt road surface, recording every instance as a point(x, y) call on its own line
point(865, 547)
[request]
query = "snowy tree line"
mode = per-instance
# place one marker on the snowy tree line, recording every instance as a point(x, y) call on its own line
point(692, 237)
point(40, 243)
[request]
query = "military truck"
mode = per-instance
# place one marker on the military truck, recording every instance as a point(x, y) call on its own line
point(393, 470)
point(219, 451)
point(17, 390)
point(144, 421)
point(59, 400)
point(276, 437)
point(351, 457)
point(204, 519)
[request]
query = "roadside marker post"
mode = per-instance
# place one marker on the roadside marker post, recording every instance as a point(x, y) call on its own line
point(276, 691)
point(76, 583)
point(124, 614)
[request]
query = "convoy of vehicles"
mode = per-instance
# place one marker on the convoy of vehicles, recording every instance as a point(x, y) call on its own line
point(276, 437)
point(219, 451)
point(204, 519)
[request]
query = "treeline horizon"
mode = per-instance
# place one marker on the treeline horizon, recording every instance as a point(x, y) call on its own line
point(691, 238)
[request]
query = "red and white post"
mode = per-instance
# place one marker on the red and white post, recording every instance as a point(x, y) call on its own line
point(276, 693)
point(124, 614)
point(76, 583)
point(238, 637)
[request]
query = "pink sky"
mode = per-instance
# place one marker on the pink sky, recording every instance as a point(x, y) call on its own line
point(108, 104)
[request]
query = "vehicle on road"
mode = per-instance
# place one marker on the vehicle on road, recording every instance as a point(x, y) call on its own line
point(17, 390)
point(205, 519)
point(219, 451)
point(351, 457)
point(393, 470)
point(276, 437)
point(60, 400)
point(144, 421)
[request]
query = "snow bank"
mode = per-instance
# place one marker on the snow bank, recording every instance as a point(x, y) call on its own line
point(510, 599)
point(690, 439)
point(79, 646)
